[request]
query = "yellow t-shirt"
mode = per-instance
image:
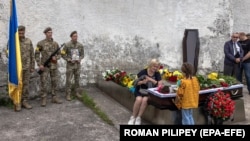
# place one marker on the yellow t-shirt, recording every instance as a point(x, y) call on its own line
point(189, 89)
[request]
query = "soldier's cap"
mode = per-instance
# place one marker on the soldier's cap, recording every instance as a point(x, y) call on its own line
point(47, 29)
point(21, 28)
point(248, 34)
point(72, 33)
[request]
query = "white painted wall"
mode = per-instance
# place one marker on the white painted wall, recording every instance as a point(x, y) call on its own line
point(126, 33)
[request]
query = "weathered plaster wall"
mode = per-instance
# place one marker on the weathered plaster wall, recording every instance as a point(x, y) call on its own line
point(241, 16)
point(126, 33)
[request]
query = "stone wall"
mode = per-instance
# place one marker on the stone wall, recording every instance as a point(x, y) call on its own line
point(4, 77)
point(126, 33)
point(34, 81)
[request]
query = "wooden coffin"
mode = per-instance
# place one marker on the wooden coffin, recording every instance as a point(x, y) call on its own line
point(165, 101)
point(191, 47)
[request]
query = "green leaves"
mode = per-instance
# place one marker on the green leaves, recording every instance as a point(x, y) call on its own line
point(206, 83)
point(229, 79)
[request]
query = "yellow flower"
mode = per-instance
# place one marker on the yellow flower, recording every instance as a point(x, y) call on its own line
point(130, 84)
point(212, 76)
point(165, 70)
point(161, 71)
point(126, 80)
point(168, 74)
point(178, 74)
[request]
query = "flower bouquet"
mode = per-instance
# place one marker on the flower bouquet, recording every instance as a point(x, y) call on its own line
point(171, 76)
point(120, 77)
point(215, 80)
point(110, 75)
point(220, 106)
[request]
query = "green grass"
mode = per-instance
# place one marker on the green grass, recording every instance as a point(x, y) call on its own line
point(89, 102)
point(5, 99)
point(6, 102)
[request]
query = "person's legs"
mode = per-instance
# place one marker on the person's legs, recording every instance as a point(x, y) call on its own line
point(25, 92)
point(240, 72)
point(77, 79)
point(228, 70)
point(186, 113)
point(237, 71)
point(137, 105)
point(136, 108)
point(69, 75)
point(247, 75)
point(143, 107)
point(44, 79)
point(191, 119)
point(54, 86)
point(25, 80)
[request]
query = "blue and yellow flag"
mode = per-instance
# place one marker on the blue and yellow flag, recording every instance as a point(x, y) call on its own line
point(14, 65)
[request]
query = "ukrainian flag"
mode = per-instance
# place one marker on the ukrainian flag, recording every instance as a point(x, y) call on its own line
point(14, 65)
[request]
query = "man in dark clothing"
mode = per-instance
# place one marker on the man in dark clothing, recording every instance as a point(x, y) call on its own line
point(233, 56)
point(245, 66)
point(248, 35)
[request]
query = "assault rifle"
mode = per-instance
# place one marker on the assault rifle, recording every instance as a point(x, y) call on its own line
point(46, 63)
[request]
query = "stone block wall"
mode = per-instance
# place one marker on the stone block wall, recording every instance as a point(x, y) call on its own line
point(155, 115)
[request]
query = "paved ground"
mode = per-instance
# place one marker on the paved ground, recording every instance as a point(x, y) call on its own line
point(246, 98)
point(71, 120)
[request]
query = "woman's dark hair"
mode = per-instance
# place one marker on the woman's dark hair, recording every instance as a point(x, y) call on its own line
point(187, 69)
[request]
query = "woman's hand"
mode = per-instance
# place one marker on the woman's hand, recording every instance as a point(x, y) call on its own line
point(144, 81)
point(150, 79)
point(155, 82)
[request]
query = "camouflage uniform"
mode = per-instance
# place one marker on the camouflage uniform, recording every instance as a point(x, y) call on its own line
point(45, 48)
point(28, 64)
point(73, 69)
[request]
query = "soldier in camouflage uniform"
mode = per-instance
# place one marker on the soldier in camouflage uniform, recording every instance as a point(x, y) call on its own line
point(28, 66)
point(73, 53)
point(43, 51)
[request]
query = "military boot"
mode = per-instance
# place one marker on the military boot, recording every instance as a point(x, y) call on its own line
point(43, 101)
point(17, 107)
point(78, 95)
point(56, 100)
point(26, 105)
point(68, 97)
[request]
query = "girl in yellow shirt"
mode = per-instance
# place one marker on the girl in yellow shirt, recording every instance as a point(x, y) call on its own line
point(188, 91)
